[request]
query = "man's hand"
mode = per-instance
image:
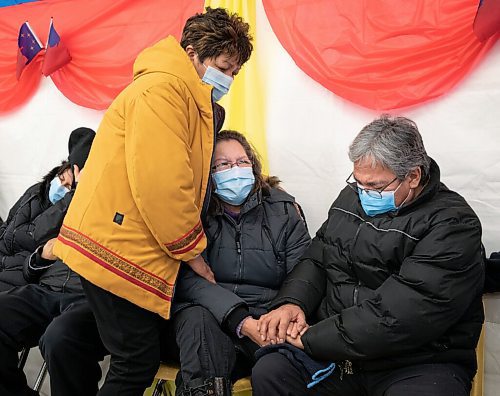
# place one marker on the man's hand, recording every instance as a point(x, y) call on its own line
point(296, 342)
point(293, 330)
point(249, 329)
point(274, 325)
point(47, 250)
point(199, 266)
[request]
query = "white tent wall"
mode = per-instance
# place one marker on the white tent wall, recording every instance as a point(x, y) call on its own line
point(308, 132)
point(34, 139)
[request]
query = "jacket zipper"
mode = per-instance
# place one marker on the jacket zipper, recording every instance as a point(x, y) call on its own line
point(237, 239)
point(346, 365)
point(238, 251)
point(351, 266)
point(356, 293)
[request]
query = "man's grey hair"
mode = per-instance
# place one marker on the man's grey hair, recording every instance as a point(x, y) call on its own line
point(393, 142)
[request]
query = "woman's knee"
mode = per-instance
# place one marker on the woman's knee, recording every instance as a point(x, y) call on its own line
point(195, 317)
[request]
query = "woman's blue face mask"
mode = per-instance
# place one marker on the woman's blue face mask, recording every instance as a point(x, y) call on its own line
point(234, 185)
point(218, 80)
point(57, 191)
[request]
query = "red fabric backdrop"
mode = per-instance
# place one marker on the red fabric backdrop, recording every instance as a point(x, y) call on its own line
point(103, 37)
point(384, 54)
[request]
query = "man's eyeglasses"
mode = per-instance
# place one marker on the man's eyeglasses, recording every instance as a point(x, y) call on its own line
point(225, 165)
point(374, 193)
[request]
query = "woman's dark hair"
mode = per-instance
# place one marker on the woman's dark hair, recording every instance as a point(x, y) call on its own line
point(44, 185)
point(218, 32)
point(262, 182)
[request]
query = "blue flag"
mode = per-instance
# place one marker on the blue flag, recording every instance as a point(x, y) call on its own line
point(57, 55)
point(28, 47)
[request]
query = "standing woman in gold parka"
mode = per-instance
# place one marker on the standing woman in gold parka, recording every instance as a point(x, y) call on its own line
point(136, 216)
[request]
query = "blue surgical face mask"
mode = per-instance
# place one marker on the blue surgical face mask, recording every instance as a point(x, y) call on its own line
point(57, 191)
point(374, 206)
point(233, 185)
point(218, 80)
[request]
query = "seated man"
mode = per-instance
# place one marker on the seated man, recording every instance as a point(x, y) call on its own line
point(391, 283)
point(53, 288)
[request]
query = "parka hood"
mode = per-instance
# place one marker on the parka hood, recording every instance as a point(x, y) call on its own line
point(167, 56)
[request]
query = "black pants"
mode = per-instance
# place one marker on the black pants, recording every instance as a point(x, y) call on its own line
point(25, 313)
point(137, 339)
point(131, 335)
point(273, 375)
point(72, 349)
point(207, 351)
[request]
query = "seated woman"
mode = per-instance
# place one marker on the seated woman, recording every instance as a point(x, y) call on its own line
point(52, 287)
point(37, 216)
point(255, 237)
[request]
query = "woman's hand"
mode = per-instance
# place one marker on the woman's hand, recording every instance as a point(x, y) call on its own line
point(249, 329)
point(296, 342)
point(47, 253)
point(274, 325)
point(199, 266)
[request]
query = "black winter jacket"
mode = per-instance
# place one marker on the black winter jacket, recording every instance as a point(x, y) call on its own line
point(394, 289)
point(250, 257)
point(53, 274)
point(30, 223)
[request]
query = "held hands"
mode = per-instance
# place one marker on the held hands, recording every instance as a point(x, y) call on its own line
point(249, 329)
point(199, 266)
point(285, 323)
point(47, 253)
point(296, 342)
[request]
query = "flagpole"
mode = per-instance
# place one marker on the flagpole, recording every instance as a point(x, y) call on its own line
point(48, 35)
point(34, 35)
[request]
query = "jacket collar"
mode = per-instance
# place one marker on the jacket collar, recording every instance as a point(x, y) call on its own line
point(256, 198)
point(430, 189)
point(252, 201)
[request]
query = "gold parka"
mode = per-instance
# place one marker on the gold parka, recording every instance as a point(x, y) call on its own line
point(136, 212)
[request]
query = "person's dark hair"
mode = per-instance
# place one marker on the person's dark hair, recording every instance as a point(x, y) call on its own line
point(262, 182)
point(44, 185)
point(218, 32)
point(79, 145)
point(393, 142)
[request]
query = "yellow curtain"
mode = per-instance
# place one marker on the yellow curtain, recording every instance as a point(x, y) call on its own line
point(245, 103)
